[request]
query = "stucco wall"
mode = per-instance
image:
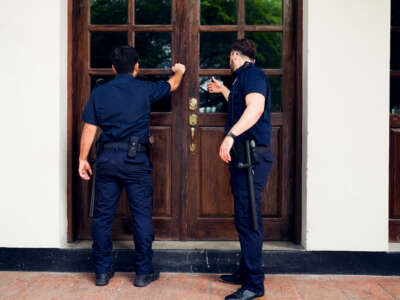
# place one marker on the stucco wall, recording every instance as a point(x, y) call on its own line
point(346, 124)
point(33, 93)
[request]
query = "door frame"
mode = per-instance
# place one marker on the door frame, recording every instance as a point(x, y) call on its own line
point(73, 33)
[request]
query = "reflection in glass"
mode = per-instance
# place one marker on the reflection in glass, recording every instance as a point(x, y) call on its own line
point(395, 51)
point(96, 80)
point(213, 103)
point(263, 12)
point(101, 46)
point(218, 12)
point(109, 12)
point(153, 11)
point(395, 13)
point(215, 48)
point(276, 93)
point(164, 104)
point(269, 48)
point(154, 49)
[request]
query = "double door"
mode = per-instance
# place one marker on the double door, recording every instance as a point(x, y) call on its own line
point(192, 197)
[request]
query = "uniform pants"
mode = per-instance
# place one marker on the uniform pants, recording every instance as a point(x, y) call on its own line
point(115, 170)
point(251, 241)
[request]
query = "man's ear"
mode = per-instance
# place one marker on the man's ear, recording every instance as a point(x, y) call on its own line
point(115, 70)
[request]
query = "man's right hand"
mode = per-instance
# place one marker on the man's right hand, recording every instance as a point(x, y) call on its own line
point(179, 68)
point(215, 86)
point(85, 171)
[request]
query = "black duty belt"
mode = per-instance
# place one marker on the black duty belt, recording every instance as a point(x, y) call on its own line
point(125, 146)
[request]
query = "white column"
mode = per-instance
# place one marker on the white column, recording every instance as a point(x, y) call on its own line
point(33, 126)
point(346, 124)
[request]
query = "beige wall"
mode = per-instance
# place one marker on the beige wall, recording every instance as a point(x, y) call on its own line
point(346, 124)
point(33, 93)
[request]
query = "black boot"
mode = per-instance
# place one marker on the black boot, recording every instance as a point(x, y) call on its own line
point(242, 294)
point(234, 278)
point(143, 280)
point(103, 279)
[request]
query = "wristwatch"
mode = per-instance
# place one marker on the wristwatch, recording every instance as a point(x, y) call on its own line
point(231, 134)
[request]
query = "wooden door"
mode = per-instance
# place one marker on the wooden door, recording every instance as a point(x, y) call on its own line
point(192, 198)
point(208, 199)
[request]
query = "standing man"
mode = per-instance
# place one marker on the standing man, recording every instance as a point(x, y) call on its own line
point(121, 108)
point(248, 121)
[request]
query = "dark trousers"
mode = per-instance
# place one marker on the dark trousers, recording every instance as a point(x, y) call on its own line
point(250, 241)
point(115, 170)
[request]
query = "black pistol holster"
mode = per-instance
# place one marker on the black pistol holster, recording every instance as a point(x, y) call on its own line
point(133, 146)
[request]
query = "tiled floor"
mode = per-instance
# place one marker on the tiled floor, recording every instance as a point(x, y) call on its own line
point(26, 285)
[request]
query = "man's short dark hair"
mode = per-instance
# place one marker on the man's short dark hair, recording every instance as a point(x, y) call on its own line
point(245, 47)
point(124, 59)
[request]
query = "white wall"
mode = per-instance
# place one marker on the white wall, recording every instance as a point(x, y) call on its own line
point(346, 124)
point(33, 95)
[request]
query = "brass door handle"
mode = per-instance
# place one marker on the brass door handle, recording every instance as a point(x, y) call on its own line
point(192, 144)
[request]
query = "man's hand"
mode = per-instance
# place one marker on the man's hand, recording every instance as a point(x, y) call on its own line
point(85, 171)
point(176, 79)
point(215, 86)
point(225, 148)
point(179, 68)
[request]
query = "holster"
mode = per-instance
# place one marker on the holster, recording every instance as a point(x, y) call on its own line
point(133, 146)
point(238, 152)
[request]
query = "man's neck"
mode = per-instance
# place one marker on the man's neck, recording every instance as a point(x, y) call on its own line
point(241, 63)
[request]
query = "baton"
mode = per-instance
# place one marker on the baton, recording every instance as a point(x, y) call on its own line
point(93, 190)
point(250, 179)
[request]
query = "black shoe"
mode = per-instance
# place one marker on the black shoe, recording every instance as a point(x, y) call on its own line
point(242, 294)
point(102, 279)
point(143, 280)
point(232, 278)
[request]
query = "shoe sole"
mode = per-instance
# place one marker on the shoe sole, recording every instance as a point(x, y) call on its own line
point(230, 282)
point(156, 277)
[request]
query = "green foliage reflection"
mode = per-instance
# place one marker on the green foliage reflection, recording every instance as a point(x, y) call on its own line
point(263, 12)
point(153, 11)
point(154, 49)
point(109, 11)
point(218, 12)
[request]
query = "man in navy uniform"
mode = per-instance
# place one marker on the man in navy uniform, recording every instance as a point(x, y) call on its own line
point(248, 119)
point(121, 108)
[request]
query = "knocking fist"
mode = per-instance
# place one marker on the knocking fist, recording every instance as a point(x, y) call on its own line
point(215, 86)
point(178, 68)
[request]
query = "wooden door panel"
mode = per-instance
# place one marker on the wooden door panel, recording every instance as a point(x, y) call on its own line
point(271, 199)
point(394, 183)
point(161, 159)
point(215, 195)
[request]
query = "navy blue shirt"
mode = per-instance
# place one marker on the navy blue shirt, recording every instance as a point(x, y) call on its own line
point(250, 79)
point(121, 107)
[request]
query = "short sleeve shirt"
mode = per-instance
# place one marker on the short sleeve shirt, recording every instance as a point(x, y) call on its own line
point(121, 107)
point(250, 79)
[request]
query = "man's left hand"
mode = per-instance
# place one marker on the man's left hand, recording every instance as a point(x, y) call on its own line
point(225, 148)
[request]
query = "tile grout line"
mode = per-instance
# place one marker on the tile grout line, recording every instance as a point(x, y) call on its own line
point(386, 291)
point(120, 287)
point(295, 289)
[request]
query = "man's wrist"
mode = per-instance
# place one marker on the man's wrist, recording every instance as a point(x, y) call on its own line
point(232, 135)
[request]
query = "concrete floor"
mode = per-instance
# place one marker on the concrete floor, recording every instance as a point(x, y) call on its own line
point(43, 286)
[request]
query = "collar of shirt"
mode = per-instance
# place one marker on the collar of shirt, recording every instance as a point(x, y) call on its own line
point(123, 76)
point(246, 65)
